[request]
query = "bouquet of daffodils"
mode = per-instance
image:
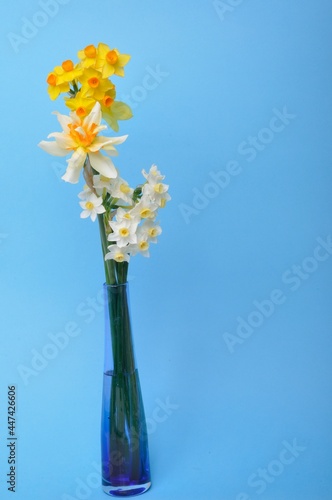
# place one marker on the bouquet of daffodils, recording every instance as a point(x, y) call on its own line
point(126, 216)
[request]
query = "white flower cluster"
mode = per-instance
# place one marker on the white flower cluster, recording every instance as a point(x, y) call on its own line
point(132, 220)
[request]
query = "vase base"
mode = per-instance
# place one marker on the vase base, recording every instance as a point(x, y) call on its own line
point(126, 491)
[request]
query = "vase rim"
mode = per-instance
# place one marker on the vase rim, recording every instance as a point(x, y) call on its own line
point(115, 285)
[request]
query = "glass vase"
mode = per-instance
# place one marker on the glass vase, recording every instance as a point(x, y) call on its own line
point(124, 441)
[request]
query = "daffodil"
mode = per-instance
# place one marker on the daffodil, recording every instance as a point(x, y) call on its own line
point(55, 84)
point(94, 85)
point(92, 206)
point(122, 214)
point(68, 72)
point(124, 232)
point(80, 136)
point(114, 111)
point(118, 254)
point(81, 104)
point(153, 175)
point(88, 56)
point(145, 209)
point(157, 192)
point(110, 61)
point(142, 245)
point(121, 190)
point(151, 230)
point(101, 184)
point(154, 188)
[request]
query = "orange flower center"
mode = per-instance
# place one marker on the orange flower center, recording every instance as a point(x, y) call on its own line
point(68, 65)
point(90, 51)
point(107, 101)
point(112, 57)
point(81, 111)
point(85, 138)
point(93, 82)
point(51, 79)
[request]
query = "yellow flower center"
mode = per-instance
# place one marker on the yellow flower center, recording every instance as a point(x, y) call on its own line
point(152, 232)
point(81, 111)
point(93, 82)
point(119, 257)
point(90, 51)
point(143, 245)
point(81, 139)
point(89, 205)
point(124, 232)
point(124, 188)
point(111, 57)
point(104, 179)
point(158, 188)
point(145, 213)
point(107, 101)
point(127, 216)
point(51, 79)
point(68, 65)
point(163, 203)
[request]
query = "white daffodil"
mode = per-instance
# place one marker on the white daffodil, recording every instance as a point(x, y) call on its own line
point(153, 174)
point(120, 189)
point(157, 192)
point(101, 183)
point(150, 230)
point(81, 137)
point(122, 214)
point(92, 206)
point(142, 245)
point(118, 254)
point(84, 195)
point(124, 232)
point(145, 208)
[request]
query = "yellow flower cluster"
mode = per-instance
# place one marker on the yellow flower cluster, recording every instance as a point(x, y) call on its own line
point(88, 82)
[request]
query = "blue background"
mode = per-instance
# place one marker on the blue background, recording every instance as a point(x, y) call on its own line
point(234, 403)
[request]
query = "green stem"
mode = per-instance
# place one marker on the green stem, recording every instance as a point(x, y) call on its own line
point(108, 264)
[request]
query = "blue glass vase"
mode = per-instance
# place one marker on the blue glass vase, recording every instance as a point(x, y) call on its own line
point(124, 440)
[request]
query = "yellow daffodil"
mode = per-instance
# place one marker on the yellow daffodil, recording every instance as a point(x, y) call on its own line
point(55, 85)
point(58, 80)
point(81, 104)
point(115, 111)
point(110, 61)
point(88, 56)
point(68, 72)
point(94, 85)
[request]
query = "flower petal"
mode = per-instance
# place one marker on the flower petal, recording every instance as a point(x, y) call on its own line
point(103, 165)
point(52, 148)
point(75, 164)
point(64, 120)
point(64, 141)
point(93, 117)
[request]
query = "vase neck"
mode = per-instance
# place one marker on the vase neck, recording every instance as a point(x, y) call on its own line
point(119, 348)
